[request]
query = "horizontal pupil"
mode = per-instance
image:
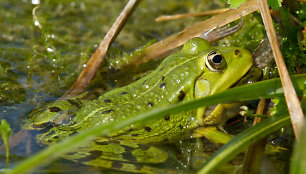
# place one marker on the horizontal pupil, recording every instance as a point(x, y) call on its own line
point(217, 59)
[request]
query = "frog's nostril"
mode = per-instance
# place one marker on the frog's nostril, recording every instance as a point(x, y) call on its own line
point(236, 52)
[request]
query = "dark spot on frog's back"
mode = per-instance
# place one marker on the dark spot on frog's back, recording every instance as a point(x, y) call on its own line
point(107, 111)
point(150, 104)
point(107, 101)
point(181, 96)
point(54, 109)
point(117, 164)
point(127, 148)
point(148, 129)
point(128, 153)
point(163, 78)
point(163, 85)
point(131, 129)
point(167, 117)
point(129, 156)
point(236, 52)
point(102, 143)
point(123, 93)
point(94, 154)
point(74, 103)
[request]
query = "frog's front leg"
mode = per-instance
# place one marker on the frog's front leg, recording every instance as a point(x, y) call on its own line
point(210, 117)
point(221, 113)
point(216, 118)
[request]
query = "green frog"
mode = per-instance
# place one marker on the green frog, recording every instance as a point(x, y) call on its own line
point(198, 70)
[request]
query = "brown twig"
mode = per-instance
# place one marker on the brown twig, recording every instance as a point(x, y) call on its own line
point(96, 59)
point(295, 111)
point(187, 15)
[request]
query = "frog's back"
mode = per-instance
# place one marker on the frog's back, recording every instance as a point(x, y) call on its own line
point(170, 83)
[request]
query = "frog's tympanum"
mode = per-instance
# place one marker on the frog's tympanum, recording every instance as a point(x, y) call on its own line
point(198, 70)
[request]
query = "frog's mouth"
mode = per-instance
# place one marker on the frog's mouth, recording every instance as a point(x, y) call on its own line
point(253, 75)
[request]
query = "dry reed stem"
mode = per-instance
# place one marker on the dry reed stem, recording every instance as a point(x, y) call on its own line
point(187, 15)
point(295, 111)
point(96, 59)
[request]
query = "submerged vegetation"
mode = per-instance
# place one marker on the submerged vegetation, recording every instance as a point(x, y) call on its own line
point(45, 45)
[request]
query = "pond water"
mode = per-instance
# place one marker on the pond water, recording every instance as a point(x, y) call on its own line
point(44, 50)
point(46, 43)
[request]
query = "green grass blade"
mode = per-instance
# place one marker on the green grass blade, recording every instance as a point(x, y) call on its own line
point(298, 162)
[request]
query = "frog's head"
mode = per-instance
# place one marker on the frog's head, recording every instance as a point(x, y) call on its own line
point(222, 66)
point(229, 65)
point(57, 113)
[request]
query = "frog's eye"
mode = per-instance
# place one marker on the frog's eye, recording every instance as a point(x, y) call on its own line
point(215, 61)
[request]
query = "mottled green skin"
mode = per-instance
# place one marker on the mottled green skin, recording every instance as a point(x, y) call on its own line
point(172, 82)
